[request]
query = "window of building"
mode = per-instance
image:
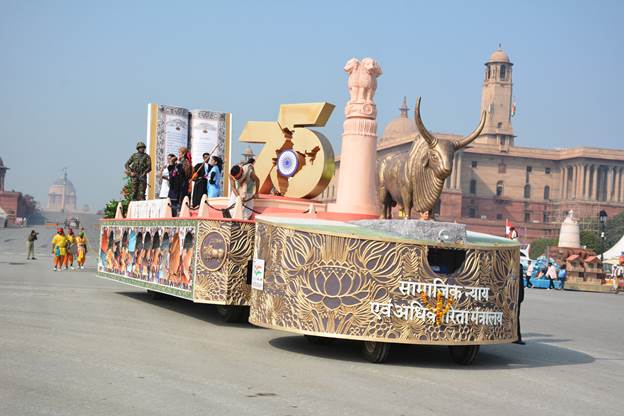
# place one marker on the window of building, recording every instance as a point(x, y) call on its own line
point(499, 217)
point(473, 186)
point(473, 163)
point(527, 191)
point(529, 169)
point(546, 219)
point(472, 212)
point(503, 71)
point(546, 192)
point(500, 126)
point(527, 217)
point(547, 171)
point(502, 168)
point(499, 188)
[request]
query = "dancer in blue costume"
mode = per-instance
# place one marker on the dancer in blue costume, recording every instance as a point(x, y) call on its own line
point(214, 176)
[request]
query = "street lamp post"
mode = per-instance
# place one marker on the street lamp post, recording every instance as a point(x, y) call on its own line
point(602, 216)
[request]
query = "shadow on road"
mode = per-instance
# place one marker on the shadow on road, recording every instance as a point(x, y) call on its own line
point(202, 311)
point(536, 353)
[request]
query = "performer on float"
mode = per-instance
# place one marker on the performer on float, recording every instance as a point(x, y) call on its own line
point(200, 180)
point(214, 177)
point(59, 249)
point(186, 168)
point(426, 215)
point(164, 184)
point(245, 186)
point(177, 184)
point(137, 168)
point(81, 243)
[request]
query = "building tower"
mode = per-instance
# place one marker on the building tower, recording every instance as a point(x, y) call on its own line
point(62, 195)
point(496, 100)
point(3, 170)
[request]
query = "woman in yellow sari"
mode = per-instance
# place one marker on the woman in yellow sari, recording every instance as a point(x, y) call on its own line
point(59, 249)
point(81, 242)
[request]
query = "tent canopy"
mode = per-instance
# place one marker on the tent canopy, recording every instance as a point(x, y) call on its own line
point(616, 250)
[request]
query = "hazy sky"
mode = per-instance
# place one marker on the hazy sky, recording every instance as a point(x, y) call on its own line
point(76, 77)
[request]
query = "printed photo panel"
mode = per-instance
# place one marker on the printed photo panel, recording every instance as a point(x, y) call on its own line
point(161, 255)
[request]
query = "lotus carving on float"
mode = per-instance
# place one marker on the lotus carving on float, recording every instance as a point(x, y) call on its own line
point(334, 284)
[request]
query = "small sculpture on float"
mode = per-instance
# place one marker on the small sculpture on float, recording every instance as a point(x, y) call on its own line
point(362, 86)
point(416, 179)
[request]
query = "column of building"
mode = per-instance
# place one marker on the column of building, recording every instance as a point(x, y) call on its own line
point(620, 196)
point(459, 156)
point(611, 186)
point(579, 184)
point(566, 185)
point(587, 177)
point(585, 180)
point(577, 177)
point(594, 195)
point(562, 184)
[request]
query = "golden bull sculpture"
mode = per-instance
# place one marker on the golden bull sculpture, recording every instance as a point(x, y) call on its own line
point(415, 179)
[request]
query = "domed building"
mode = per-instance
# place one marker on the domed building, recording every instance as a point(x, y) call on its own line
point(400, 127)
point(62, 195)
point(499, 56)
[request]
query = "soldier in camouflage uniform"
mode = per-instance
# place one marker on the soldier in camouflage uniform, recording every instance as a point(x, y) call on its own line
point(137, 168)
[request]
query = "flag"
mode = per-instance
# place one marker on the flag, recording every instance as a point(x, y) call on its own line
point(513, 109)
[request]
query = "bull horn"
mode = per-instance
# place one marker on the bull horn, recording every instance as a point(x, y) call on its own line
point(475, 133)
point(431, 140)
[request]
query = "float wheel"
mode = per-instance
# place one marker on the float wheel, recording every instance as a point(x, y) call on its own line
point(464, 354)
point(375, 352)
point(316, 340)
point(233, 313)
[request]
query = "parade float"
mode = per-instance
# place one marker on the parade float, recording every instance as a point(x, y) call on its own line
point(331, 270)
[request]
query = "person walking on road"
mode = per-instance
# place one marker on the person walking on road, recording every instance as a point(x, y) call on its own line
point(529, 274)
point(59, 249)
point(563, 275)
point(30, 245)
point(71, 249)
point(81, 244)
point(520, 300)
point(551, 275)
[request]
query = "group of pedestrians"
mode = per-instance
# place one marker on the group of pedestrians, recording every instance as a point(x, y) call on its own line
point(66, 247)
point(547, 271)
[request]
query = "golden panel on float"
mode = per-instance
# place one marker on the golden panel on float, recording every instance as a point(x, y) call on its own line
point(295, 161)
point(202, 260)
point(347, 282)
point(224, 251)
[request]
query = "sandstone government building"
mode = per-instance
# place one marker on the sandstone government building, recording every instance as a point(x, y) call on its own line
point(494, 180)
